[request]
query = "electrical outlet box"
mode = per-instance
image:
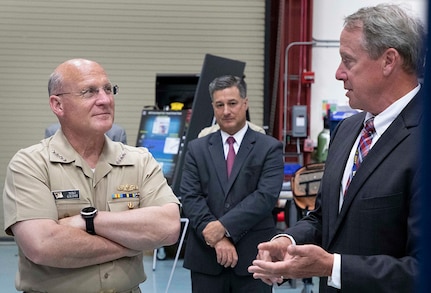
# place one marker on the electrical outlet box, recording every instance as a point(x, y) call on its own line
point(299, 121)
point(307, 77)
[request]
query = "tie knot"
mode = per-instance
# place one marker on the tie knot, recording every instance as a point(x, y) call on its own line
point(369, 126)
point(230, 140)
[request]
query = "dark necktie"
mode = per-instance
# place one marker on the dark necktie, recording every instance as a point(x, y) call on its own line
point(364, 145)
point(230, 155)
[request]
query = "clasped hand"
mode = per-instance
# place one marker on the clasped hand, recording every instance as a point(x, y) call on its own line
point(214, 234)
point(279, 259)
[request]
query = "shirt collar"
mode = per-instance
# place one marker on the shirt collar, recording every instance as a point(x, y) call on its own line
point(385, 118)
point(61, 151)
point(239, 135)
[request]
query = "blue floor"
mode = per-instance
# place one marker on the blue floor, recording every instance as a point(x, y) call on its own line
point(156, 282)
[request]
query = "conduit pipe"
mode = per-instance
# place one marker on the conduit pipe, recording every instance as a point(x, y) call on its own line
point(286, 92)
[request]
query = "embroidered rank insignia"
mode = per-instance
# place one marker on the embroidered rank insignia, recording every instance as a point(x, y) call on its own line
point(127, 187)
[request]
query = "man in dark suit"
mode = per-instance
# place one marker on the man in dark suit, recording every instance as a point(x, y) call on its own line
point(229, 214)
point(364, 234)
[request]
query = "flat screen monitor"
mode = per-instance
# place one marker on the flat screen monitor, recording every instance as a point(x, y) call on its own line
point(161, 132)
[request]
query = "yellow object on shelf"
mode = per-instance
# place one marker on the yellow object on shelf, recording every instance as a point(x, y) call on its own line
point(177, 106)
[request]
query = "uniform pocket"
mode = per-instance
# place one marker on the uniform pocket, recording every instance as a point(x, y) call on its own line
point(123, 204)
point(68, 208)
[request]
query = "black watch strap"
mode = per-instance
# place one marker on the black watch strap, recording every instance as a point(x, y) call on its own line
point(88, 214)
point(89, 226)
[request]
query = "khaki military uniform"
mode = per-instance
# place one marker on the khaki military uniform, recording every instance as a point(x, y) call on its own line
point(51, 181)
point(215, 127)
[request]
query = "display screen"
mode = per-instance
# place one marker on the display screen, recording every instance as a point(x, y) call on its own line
point(161, 132)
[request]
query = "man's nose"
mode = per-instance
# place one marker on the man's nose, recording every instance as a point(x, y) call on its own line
point(340, 74)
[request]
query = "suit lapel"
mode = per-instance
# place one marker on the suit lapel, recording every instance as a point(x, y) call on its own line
point(393, 136)
point(340, 154)
point(396, 132)
point(215, 148)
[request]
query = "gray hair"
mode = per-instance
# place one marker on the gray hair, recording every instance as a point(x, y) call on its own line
point(387, 26)
point(55, 83)
point(227, 81)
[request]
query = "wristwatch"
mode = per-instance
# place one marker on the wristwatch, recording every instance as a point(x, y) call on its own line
point(88, 214)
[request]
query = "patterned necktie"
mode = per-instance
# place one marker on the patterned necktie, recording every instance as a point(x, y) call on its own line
point(230, 155)
point(364, 145)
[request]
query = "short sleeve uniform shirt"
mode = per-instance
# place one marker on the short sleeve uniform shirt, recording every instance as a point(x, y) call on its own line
point(50, 180)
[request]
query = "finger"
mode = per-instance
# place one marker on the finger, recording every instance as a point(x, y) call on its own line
point(298, 250)
point(235, 260)
point(232, 259)
point(292, 249)
point(219, 257)
point(223, 259)
point(261, 264)
point(267, 279)
point(265, 246)
point(255, 269)
point(251, 269)
point(264, 255)
point(234, 263)
point(270, 269)
point(228, 260)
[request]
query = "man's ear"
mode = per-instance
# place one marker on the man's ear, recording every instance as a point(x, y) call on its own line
point(56, 104)
point(391, 58)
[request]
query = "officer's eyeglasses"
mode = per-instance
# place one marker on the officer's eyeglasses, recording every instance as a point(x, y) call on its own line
point(93, 91)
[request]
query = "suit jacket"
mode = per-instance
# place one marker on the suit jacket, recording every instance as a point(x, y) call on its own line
point(243, 203)
point(377, 230)
point(116, 133)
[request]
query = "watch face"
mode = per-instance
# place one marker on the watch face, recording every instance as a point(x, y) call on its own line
point(88, 211)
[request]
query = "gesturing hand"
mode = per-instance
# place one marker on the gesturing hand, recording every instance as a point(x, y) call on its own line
point(300, 261)
point(270, 252)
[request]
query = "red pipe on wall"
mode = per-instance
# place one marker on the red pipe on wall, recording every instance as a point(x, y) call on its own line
point(297, 28)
